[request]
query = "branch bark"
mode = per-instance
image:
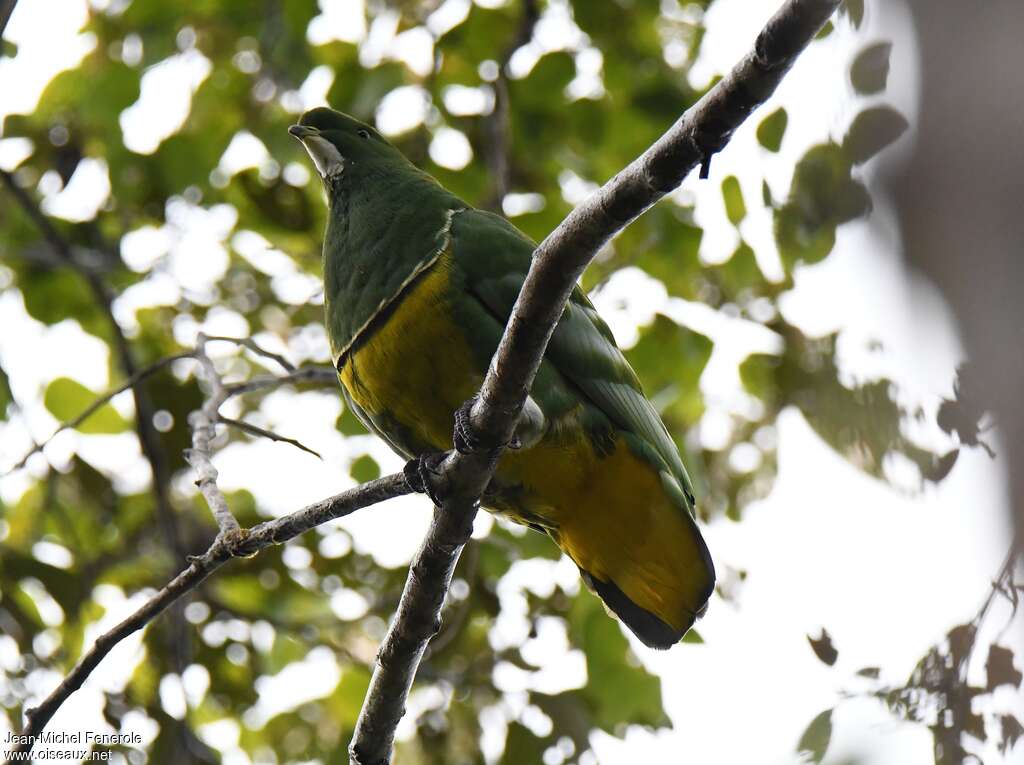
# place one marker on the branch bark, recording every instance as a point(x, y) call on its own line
point(557, 264)
point(204, 428)
point(6, 11)
point(242, 543)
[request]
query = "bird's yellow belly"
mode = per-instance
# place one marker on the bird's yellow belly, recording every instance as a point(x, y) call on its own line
point(416, 368)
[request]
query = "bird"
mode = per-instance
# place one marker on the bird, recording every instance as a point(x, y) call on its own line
point(418, 288)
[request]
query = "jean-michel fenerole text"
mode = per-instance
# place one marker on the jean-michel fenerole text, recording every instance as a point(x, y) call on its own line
point(74, 737)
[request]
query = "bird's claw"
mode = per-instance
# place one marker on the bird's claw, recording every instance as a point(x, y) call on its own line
point(421, 474)
point(465, 441)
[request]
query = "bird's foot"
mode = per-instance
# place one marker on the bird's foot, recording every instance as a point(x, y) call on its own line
point(421, 474)
point(465, 441)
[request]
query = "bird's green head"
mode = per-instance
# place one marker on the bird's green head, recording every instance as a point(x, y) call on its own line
point(336, 141)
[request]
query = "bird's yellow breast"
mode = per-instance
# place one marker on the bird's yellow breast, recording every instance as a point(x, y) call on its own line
point(416, 367)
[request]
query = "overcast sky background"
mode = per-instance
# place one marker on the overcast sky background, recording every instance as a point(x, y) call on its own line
point(886, 571)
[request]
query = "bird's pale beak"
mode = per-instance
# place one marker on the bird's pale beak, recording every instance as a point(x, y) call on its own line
point(329, 162)
point(303, 132)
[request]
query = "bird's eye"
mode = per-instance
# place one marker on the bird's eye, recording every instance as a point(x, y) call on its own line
point(364, 133)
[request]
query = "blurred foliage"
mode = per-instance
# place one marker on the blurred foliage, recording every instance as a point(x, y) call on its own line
point(261, 616)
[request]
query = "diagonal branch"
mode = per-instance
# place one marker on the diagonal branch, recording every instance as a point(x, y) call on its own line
point(6, 9)
point(243, 543)
point(557, 264)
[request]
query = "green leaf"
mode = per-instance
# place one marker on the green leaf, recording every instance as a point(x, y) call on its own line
point(619, 689)
point(872, 130)
point(5, 393)
point(772, 128)
point(757, 373)
point(732, 195)
point(855, 10)
point(693, 637)
point(521, 746)
point(822, 196)
point(670, 358)
point(740, 272)
point(364, 468)
point(66, 399)
point(823, 648)
point(814, 743)
point(1000, 669)
point(347, 699)
point(349, 424)
point(870, 70)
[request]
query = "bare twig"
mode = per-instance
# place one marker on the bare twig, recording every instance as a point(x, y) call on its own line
point(255, 430)
point(252, 345)
point(497, 127)
point(557, 264)
point(142, 374)
point(244, 542)
point(318, 374)
point(1001, 585)
point(204, 430)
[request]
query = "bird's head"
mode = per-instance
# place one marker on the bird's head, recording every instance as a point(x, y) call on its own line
point(335, 140)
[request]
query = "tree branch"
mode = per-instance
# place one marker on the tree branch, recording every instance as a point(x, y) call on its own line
point(557, 264)
point(204, 425)
point(497, 127)
point(6, 10)
point(243, 543)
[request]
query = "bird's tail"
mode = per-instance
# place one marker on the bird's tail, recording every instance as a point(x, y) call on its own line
point(646, 560)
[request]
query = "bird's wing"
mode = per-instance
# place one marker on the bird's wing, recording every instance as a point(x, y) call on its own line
point(388, 432)
point(494, 256)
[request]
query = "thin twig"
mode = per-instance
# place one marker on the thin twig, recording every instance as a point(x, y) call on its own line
point(999, 585)
point(241, 543)
point(204, 429)
point(557, 264)
point(317, 374)
point(497, 125)
point(142, 374)
point(255, 430)
point(252, 345)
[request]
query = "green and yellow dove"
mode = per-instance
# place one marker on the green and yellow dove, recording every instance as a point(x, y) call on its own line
point(418, 288)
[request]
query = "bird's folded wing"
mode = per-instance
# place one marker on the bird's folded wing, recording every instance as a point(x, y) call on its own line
point(494, 256)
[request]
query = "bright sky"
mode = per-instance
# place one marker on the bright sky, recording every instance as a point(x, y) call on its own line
point(887, 572)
